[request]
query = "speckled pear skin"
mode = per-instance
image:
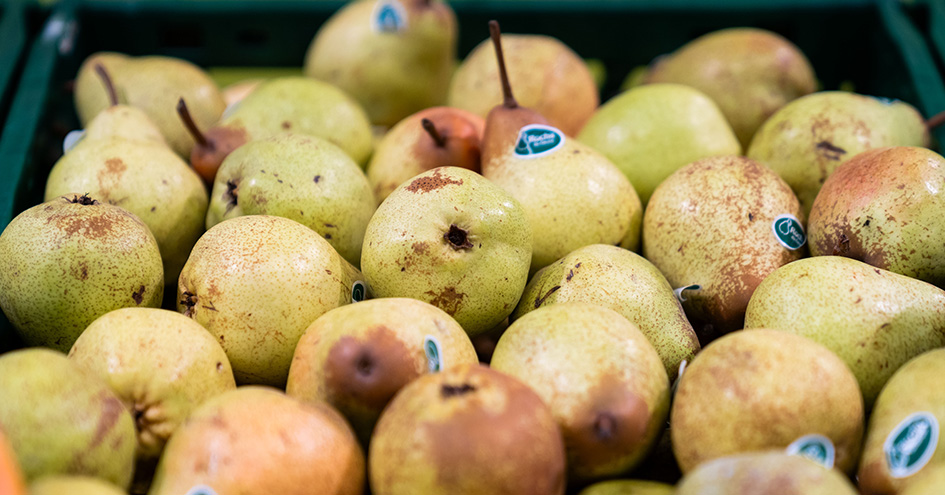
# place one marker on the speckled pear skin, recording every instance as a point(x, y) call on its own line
point(63, 419)
point(653, 130)
point(710, 223)
point(391, 74)
point(911, 389)
point(546, 74)
point(873, 319)
point(304, 178)
point(301, 105)
point(749, 72)
point(257, 440)
point(809, 138)
point(775, 387)
point(161, 364)
point(625, 282)
point(470, 430)
point(255, 283)
point(64, 263)
point(930, 482)
point(628, 487)
point(599, 375)
point(764, 473)
point(73, 485)
point(885, 207)
point(121, 162)
point(356, 357)
point(153, 84)
point(453, 239)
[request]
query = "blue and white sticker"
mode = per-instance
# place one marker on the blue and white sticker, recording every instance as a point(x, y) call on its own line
point(201, 490)
point(536, 140)
point(389, 17)
point(72, 139)
point(679, 292)
point(358, 291)
point(431, 347)
point(911, 444)
point(817, 448)
point(789, 231)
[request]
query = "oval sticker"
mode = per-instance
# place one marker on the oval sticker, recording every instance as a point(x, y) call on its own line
point(536, 140)
point(817, 448)
point(358, 291)
point(389, 17)
point(789, 231)
point(72, 139)
point(431, 347)
point(679, 292)
point(911, 444)
point(201, 490)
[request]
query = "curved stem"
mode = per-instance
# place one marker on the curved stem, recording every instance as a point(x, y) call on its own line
point(496, 34)
point(935, 120)
point(431, 130)
point(109, 85)
point(190, 124)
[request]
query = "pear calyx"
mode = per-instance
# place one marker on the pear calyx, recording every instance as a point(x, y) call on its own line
point(84, 200)
point(188, 300)
point(447, 391)
point(431, 130)
point(508, 100)
point(109, 84)
point(458, 238)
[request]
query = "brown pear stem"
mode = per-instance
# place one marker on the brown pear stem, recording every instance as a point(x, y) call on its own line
point(431, 130)
point(109, 85)
point(935, 120)
point(496, 34)
point(190, 124)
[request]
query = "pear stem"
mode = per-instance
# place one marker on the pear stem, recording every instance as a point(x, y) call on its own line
point(935, 120)
point(190, 124)
point(109, 85)
point(431, 130)
point(496, 34)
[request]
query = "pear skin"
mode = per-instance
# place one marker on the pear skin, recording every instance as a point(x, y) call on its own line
point(714, 224)
point(123, 122)
point(913, 402)
point(625, 282)
point(930, 482)
point(11, 476)
point(601, 378)
point(258, 440)
point(764, 473)
point(776, 388)
point(628, 487)
point(73, 485)
point(885, 207)
point(873, 319)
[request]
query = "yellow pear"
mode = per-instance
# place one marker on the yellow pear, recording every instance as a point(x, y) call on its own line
point(764, 473)
point(628, 487)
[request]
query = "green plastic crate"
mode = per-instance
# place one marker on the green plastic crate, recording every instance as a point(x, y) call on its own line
point(19, 21)
point(872, 46)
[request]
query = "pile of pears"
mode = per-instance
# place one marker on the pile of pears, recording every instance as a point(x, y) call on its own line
point(402, 273)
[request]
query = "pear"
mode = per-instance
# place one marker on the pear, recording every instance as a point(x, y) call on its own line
point(63, 419)
point(453, 239)
point(764, 473)
point(718, 227)
point(358, 356)
point(65, 262)
point(550, 78)
point(625, 282)
point(394, 56)
point(161, 364)
point(469, 430)
point(256, 282)
point(11, 475)
point(930, 482)
point(573, 195)
point(299, 105)
point(304, 178)
point(601, 378)
point(884, 207)
point(628, 487)
point(431, 138)
point(122, 160)
point(873, 319)
point(154, 84)
point(73, 485)
point(904, 438)
point(257, 440)
point(651, 131)
point(749, 72)
point(236, 91)
point(778, 391)
point(805, 141)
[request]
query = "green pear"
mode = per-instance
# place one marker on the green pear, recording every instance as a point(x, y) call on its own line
point(625, 282)
point(573, 195)
point(805, 141)
point(299, 105)
point(73, 485)
point(358, 356)
point(873, 319)
point(256, 282)
point(154, 84)
point(65, 262)
point(651, 131)
point(469, 430)
point(548, 76)
point(394, 56)
point(453, 239)
point(628, 487)
point(304, 178)
point(63, 419)
point(766, 389)
point(599, 375)
point(435, 137)
point(930, 482)
point(161, 364)
point(122, 122)
point(884, 207)
point(904, 437)
point(764, 473)
point(257, 440)
point(749, 72)
point(718, 227)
